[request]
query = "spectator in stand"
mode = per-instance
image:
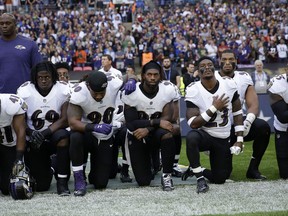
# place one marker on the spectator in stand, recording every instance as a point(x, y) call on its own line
point(170, 73)
point(212, 51)
point(282, 51)
point(260, 78)
point(56, 57)
point(130, 56)
point(80, 57)
point(244, 53)
point(272, 55)
point(191, 75)
point(119, 58)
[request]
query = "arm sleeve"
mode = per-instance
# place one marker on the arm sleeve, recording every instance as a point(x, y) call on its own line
point(280, 109)
point(132, 121)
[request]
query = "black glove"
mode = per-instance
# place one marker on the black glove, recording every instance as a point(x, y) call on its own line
point(17, 167)
point(37, 138)
point(187, 173)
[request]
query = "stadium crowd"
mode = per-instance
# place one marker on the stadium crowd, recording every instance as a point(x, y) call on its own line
point(80, 33)
point(84, 36)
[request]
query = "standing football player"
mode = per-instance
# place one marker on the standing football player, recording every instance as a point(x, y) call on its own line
point(12, 133)
point(90, 116)
point(254, 128)
point(278, 89)
point(47, 101)
point(148, 117)
point(209, 105)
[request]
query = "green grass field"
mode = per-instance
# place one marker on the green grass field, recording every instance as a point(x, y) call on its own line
point(268, 166)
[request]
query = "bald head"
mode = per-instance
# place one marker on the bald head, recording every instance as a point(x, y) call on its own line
point(8, 26)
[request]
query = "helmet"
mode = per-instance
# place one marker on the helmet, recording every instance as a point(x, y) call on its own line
point(22, 185)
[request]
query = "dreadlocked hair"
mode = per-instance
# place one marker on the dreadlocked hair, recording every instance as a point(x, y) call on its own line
point(44, 66)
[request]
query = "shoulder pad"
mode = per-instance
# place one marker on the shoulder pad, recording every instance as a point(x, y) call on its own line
point(24, 91)
point(79, 93)
point(63, 88)
point(192, 90)
point(15, 105)
point(277, 84)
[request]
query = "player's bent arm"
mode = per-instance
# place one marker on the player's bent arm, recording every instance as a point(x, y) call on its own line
point(74, 114)
point(252, 102)
point(279, 107)
point(167, 112)
point(237, 117)
point(62, 122)
point(238, 124)
point(19, 126)
point(176, 112)
point(195, 119)
point(132, 120)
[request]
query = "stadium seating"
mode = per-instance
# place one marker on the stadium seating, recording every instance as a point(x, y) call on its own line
point(77, 69)
point(87, 68)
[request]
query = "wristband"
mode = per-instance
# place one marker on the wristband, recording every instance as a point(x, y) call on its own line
point(237, 112)
point(191, 120)
point(89, 127)
point(239, 128)
point(19, 155)
point(213, 109)
point(240, 139)
point(155, 122)
point(205, 116)
point(250, 117)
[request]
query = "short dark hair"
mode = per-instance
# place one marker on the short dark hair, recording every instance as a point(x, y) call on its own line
point(108, 56)
point(62, 65)
point(203, 58)
point(153, 64)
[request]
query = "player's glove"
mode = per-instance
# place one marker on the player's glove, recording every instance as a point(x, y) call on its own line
point(187, 173)
point(17, 167)
point(236, 150)
point(103, 128)
point(36, 139)
point(130, 86)
point(247, 123)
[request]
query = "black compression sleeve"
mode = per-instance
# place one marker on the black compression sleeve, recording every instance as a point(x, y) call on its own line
point(132, 121)
point(280, 109)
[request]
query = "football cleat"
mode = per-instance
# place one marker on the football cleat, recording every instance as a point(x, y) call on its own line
point(187, 173)
point(255, 175)
point(177, 171)
point(167, 182)
point(62, 187)
point(202, 186)
point(80, 183)
point(125, 177)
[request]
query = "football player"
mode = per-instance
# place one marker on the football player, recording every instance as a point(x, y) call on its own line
point(47, 99)
point(278, 89)
point(254, 128)
point(63, 69)
point(12, 133)
point(209, 105)
point(148, 117)
point(90, 115)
